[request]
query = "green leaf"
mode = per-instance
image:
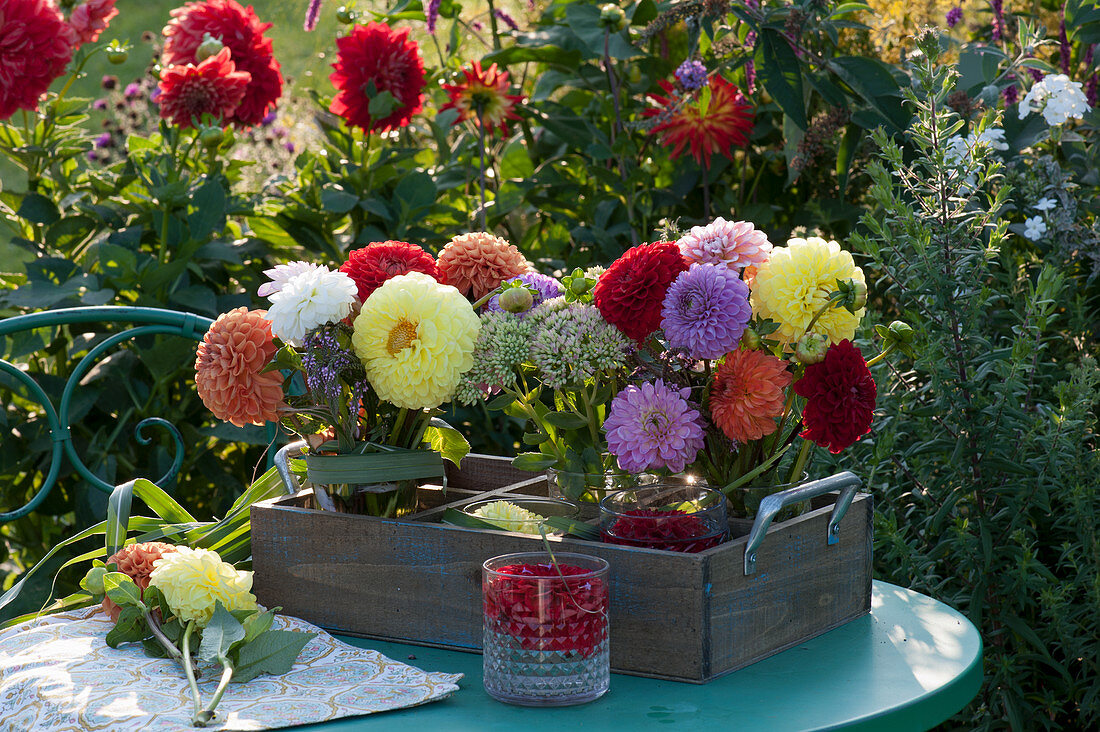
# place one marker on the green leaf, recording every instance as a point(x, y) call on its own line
point(122, 590)
point(874, 82)
point(566, 420)
point(454, 517)
point(219, 635)
point(446, 440)
point(258, 624)
point(573, 527)
point(846, 153)
point(501, 402)
point(130, 628)
point(209, 210)
point(781, 75)
point(382, 104)
point(535, 462)
point(273, 652)
point(337, 200)
point(38, 209)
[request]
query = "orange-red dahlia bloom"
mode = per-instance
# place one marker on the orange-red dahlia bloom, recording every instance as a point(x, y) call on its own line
point(477, 263)
point(375, 263)
point(711, 120)
point(36, 44)
point(375, 55)
point(91, 18)
point(840, 398)
point(746, 395)
point(213, 87)
point(631, 293)
point(136, 562)
point(483, 97)
point(243, 34)
point(228, 369)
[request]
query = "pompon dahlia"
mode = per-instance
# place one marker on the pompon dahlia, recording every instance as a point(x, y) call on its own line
point(478, 262)
point(228, 369)
point(796, 282)
point(375, 55)
point(136, 562)
point(631, 293)
point(711, 120)
point(36, 45)
point(545, 287)
point(653, 426)
point(213, 87)
point(736, 244)
point(746, 395)
point(840, 398)
point(243, 34)
point(91, 18)
point(706, 310)
point(280, 273)
point(375, 263)
point(416, 339)
point(307, 300)
point(483, 97)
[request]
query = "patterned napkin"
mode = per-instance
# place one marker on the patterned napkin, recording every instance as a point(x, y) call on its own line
point(57, 673)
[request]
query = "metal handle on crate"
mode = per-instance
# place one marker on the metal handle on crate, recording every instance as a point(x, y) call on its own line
point(845, 482)
point(282, 464)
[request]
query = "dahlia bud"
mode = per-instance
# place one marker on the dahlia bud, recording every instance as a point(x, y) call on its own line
point(750, 339)
point(612, 16)
point(211, 137)
point(811, 348)
point(516, 300)
point(859, 295)
point(210, 46)
point(93, 581)
point(345, 15)
point(117, 53)
point(902, 332)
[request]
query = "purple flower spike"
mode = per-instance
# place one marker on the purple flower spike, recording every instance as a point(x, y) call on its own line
point(692, 75)
point(653, 426)
point(954, 15)
point(313, 12)
point(706, 310)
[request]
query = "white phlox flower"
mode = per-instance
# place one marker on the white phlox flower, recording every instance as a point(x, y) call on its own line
point(1045, 204)
point(1058, 98)
point(1035, 228)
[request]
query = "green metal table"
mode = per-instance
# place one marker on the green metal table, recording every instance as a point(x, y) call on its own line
point(908, 665)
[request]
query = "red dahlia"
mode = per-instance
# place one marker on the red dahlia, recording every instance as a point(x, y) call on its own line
point(840, 398)
point(36, 45)
point(483, 97)
point(91, 18)
point(375, 263)
point(631, 293)
point(213, 87)
point(710, 120)
point(243, 34)
point(375, 55)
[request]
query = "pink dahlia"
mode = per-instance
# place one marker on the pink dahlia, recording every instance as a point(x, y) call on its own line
point(36, 44)
point(213, 87)
point(379, 57)
point(91, 18)
point(735, 244)
point(653, 426)
point(243, 34)
point(229, 369)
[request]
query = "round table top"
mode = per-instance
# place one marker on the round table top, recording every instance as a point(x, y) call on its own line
point(908, 665)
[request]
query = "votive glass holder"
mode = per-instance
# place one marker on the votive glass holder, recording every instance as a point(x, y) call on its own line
point(678, 518)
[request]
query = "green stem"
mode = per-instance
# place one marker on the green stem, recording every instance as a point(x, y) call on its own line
point(800, 462)
point(885, 352)
point(207, 715)
point(481, 159)
point(191, 674)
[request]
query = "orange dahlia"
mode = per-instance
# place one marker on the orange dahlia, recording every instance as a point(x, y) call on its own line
point(746, 395)
point(375, 58)
point(136, 562)
point(477, 263)
point(711, 120)
point(213, 87)
point(483, 97)
point(228, 369)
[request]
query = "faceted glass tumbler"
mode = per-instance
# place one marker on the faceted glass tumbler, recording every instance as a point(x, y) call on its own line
point(546, 628)
point(677, 518)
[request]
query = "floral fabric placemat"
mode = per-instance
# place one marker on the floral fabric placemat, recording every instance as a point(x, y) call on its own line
point(58, 674)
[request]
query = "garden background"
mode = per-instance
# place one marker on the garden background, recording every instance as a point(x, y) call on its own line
point(976, 224)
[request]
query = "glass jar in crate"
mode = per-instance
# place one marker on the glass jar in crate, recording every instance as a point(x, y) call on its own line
point(678, 518)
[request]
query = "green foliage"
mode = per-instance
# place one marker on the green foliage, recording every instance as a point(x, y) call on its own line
point(986, 456)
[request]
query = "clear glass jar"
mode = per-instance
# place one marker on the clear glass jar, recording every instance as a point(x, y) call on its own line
point(592, 487)
point(546, 628)
point(544, 507)
point(677, 518)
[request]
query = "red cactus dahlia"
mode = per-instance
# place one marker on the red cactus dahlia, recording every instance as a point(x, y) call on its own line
point(375, 55)
point(631, 293)
point(243, 34)
point(375, 263)
point(213, 87)
point(36, 45)
point(484, 94)
point(711, 120)
point(91, 18)
point(840, 398)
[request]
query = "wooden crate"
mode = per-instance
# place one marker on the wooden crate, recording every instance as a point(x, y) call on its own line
point(686, 617)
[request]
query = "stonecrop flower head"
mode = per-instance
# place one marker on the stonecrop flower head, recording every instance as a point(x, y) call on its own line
point(478, 262)
point(705, 311)
point(242, 33)
point(229, 367)
point(36, 45)
point(711, 120)
point(213, 87)
point(482, 97)
point(736, 244)
point(545, 288)
point(309, 299)
point(375, 263)
point(631, 293)
point(746, 396)
point(1058, 98)
point(416, 339)
point(194, 580)
point(572, 343)
point(503, 344)
point(372, 59)
point(840, 398)
point(795, 283)
point(652, 426)
point(90, 18)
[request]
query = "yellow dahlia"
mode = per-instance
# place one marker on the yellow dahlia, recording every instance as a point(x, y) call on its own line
point(415, 338)
point(193, 580)
point(795, 283)
point(510, 517)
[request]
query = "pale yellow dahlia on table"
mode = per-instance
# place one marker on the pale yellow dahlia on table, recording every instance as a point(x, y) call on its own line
point(796, 282)
point(415, 338)
point(193, 580)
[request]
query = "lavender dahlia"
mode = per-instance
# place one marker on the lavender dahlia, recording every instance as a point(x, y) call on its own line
point(653, 426)
point(545, 288)
point(706, 310)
